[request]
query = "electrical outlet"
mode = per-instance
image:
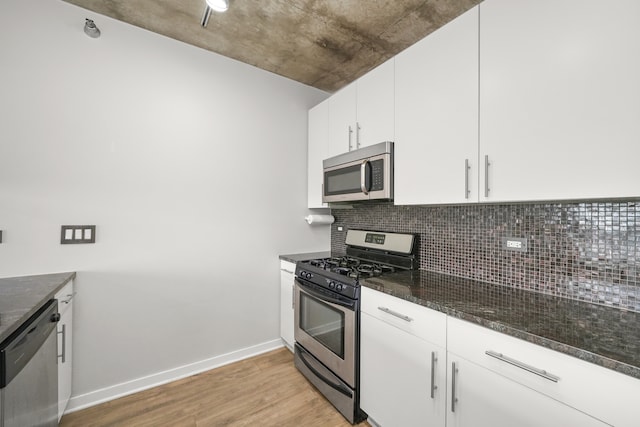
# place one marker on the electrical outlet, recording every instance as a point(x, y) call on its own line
point(517, 244)
point(73, 234)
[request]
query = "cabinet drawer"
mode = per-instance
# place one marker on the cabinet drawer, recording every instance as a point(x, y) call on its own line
point(582, 385)
point(415, 319)
point(64, 297)
point(287, 266)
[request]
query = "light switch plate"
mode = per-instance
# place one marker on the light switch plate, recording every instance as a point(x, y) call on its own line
point(74, 234)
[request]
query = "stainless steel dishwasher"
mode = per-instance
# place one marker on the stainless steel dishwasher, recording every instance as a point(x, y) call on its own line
point(29, 372)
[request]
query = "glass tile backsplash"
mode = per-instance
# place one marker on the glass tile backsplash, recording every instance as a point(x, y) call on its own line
point(583, 251)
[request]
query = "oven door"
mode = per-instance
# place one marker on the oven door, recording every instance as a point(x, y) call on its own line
point(365, 179)
point(325, 326)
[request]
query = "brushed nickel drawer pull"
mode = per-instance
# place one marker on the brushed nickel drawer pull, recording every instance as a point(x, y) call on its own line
point(521, 365)
point(396, 314)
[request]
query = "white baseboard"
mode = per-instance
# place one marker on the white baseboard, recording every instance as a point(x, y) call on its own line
point(106, 394)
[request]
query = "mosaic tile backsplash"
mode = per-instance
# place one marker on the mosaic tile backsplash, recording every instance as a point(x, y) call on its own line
point(583, 251)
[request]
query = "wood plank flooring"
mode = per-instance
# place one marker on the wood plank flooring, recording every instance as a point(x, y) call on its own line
point(266, 390)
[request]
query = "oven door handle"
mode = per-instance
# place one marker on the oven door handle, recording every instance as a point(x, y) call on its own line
point(339, 387)
point(303, 287)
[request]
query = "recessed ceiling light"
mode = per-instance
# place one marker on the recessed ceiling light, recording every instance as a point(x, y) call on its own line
point(218, 5)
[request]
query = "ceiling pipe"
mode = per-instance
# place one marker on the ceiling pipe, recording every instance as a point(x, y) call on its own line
point(213, 5)
point(205, 16)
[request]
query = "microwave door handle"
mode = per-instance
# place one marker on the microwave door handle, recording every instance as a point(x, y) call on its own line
point(363, 177)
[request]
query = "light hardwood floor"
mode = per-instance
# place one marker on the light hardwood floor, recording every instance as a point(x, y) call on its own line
point(266, 390)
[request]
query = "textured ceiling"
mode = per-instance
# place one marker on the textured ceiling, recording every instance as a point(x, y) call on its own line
point(322, 43)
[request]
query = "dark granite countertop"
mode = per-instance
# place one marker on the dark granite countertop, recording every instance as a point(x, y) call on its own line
point(305, 256)
point(606, 336)
point(20, 297)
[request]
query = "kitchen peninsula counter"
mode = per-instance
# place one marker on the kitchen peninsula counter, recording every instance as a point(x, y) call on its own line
point(21, 297)
point(599, 334)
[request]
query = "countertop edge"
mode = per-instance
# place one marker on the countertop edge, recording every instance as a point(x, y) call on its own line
point(587, 356)
point(54, 288)
point(305, 256)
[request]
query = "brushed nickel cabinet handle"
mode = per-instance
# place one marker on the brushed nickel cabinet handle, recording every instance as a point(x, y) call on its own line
point(486, 175)
point(357, 134)
point(396, 314)
point(466, 178)
point(454, 375)
point(522, 365)
point(434, 359)
point(63, 356)
point(350, 132)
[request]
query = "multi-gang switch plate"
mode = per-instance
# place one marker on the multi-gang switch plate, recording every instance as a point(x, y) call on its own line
point(71, 234)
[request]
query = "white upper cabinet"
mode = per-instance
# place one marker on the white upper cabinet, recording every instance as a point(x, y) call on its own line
point(436, 116)
point(317, 152)
point(559, 99)
point(361, 113)
point(342, 121)
point(375, 106)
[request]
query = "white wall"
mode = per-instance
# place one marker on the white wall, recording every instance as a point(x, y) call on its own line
point(192, 166)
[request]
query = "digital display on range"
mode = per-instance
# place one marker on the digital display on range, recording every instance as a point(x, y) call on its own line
point(378, 239)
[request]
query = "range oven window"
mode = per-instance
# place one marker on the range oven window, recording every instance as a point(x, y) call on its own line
point(323, 322)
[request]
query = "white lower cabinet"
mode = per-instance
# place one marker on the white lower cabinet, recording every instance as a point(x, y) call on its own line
point(287, 270)
point(398, 372)
point(479, 397)
point(402, 375)
point(479, 377)
point(560, 387)
point(65, 345)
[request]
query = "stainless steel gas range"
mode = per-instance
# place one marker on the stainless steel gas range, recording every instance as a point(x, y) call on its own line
point(327, 312)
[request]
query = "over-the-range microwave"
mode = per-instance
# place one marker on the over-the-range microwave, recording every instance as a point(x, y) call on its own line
point(362, 174)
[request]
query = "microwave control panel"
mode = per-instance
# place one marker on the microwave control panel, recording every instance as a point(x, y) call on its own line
point(377, 175)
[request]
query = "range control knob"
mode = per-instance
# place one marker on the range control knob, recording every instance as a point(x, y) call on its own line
point(309, 275)
point(332, 285)
point(338, 287)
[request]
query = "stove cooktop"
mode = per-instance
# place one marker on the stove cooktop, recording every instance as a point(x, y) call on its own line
point(369, 254)
point(353, 268)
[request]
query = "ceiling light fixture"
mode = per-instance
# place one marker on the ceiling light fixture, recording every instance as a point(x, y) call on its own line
point(90, 29)
point(216, 6)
